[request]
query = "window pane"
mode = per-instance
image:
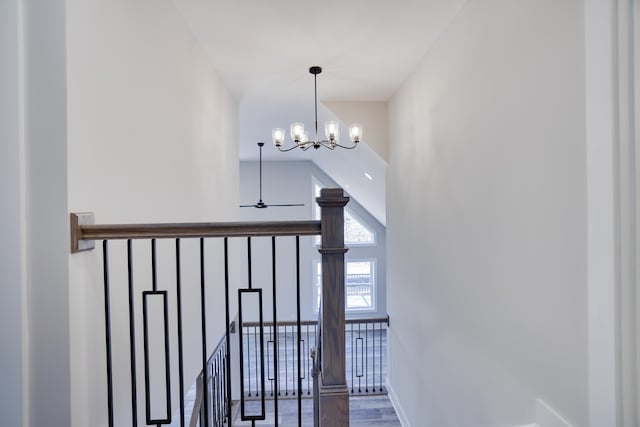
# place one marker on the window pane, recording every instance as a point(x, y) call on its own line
point(359, 285)
point(355, 232)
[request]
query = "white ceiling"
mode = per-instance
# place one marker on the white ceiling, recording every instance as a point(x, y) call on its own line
point(263, 49)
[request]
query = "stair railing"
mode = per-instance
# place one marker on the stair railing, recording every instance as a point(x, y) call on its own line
point(333, 393)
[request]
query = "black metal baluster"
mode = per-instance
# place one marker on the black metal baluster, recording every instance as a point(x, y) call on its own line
point(249, 278)
point(383, 335)
point(180, 350)
point(366, 358)
point(307, 359)
point(215, 409)
point(380, 357)
point(294, 364)
point(248, 361)
point(218, 389)
point(203, 318)
point(286, 364)
point(132, 341)
point(253, 421)
point(107, 321)
point(275, 326)
point(228, 406)
point(299, 333)
point(359, 376)
point(269, 377)
point(373, 357)
point(255, 350)
point(262, 415)
point(145, 295)
point(353, 351)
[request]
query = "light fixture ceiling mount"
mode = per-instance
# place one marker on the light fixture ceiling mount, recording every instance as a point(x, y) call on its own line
point(332, 129)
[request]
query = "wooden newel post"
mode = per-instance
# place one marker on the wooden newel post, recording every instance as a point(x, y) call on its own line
point(334, 393)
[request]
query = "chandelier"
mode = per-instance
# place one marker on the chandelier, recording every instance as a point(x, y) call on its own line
point(331, 129)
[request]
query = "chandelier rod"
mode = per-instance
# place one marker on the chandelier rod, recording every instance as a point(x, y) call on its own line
point(315, 97)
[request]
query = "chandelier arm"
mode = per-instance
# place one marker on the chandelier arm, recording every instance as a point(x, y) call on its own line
point(345, 147)
point(284, 150)
point(326, 144)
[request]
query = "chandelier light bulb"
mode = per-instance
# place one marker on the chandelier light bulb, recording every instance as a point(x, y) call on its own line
point(355, 132)
point(278, 136)
point(332, 130)
point(297, 132)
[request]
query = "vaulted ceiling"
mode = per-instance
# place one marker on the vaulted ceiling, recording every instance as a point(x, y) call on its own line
point(263, 49)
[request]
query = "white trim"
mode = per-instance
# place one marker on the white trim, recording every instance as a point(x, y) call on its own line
point(26, 407)
point(402, 417)
point(601, 238)
point(626, 213)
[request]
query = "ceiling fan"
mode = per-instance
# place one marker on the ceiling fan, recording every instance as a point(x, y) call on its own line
point(261, 204)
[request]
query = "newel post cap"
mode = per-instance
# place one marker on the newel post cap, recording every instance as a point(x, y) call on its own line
point(332, 197)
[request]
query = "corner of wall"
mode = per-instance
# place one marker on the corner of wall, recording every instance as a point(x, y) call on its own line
point(396, 406)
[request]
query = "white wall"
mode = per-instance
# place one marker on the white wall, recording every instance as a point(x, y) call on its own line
point(152, 138)
point(12, 280)
point(372, 115)
point(486, 208)
point(287, 182)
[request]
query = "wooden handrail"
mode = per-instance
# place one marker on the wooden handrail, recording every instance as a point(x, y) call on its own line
point(82, 230)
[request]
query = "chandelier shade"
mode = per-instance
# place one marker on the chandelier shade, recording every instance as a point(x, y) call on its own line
point(300, 137)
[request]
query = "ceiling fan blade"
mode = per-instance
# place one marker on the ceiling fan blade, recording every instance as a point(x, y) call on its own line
point(264, 205)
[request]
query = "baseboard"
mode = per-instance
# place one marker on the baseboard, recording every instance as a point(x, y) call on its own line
point(402, 417)
point(546, 416)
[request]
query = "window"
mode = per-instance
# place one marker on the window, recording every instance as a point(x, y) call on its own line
point(356, 232)
point(360, 285)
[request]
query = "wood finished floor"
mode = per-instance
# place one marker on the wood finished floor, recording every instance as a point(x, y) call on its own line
point(364, 411)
